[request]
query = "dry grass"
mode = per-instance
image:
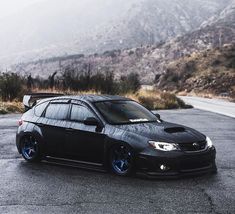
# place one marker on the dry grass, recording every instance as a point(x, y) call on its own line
point(11, 107)
point(155, 99)
point(66, 92)
point(151, 99)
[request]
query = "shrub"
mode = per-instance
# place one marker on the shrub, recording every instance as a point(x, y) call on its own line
point(129, 83)
point(11, 86)
point(155, 100)
point(105, 83)
point(148, 102)
point(82, 81)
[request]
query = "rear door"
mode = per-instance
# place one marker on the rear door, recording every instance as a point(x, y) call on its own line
point(53, 125)
point(84, 142)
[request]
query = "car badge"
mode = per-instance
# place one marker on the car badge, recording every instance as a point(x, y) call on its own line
point(196, 145)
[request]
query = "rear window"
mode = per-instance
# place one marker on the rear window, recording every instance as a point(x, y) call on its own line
point(57, 111)
point(39, 109)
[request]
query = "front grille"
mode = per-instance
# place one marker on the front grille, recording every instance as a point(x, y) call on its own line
point(193, 147)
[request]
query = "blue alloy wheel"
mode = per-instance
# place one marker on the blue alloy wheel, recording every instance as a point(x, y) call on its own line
point(121, 160)
point(29, 148)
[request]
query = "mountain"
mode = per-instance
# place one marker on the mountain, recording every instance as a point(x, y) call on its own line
point(150, 61)
point(59, 27)
point(216, 32)
point(226, 17)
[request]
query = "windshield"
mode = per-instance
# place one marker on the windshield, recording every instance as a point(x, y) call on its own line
point(124, 112)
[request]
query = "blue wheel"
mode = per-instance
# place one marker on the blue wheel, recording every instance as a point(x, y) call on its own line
point(121, 160)
point(30, 149)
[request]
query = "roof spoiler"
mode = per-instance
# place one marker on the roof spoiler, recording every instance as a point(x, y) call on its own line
point(30, 100)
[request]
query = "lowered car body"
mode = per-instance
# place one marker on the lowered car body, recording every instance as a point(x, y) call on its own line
point(111, 132)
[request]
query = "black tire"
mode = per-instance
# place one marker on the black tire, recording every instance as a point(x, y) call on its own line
point(121, 160)
point(30, 149)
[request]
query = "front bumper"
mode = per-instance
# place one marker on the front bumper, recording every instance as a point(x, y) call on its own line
point(178, 164)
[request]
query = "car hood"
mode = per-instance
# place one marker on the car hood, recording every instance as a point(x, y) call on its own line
point(168, 132)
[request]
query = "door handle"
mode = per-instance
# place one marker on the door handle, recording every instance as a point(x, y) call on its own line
point(69, 130)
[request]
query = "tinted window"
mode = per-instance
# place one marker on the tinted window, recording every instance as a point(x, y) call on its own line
point(57, 111)
point(122, 112)
point(40, 108)
point(80, 113)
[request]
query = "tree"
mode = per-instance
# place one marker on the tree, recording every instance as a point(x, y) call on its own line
point(52, 79)
point(29, 82)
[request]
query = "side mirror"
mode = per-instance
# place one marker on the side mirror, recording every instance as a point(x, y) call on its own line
point(158, 116)
point(91, 121)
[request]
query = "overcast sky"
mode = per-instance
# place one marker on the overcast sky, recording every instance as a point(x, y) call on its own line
point(8, 7)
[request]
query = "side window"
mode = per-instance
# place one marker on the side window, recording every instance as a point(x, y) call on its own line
point(57, 111)
point(38, 110)
point(80, 113)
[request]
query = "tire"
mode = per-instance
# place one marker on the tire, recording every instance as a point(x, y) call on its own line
point(121, 160)
point(30, 149)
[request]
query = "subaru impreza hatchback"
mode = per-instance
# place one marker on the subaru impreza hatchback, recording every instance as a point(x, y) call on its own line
point(103, 132)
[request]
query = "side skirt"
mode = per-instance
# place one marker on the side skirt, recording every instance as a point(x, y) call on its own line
point(75, 163)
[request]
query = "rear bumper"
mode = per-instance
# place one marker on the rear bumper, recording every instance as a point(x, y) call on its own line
point(177, 164)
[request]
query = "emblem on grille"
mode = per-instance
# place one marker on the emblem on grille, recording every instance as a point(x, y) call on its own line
point(196, 145)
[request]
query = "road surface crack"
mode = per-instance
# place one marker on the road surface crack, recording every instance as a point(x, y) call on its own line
point(208, 197)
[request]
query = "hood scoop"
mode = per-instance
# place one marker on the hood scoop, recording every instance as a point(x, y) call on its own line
point(174, 129)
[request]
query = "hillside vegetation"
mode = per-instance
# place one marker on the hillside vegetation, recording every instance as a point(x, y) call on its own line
point(149, 61)
point(212, 71)
point(13, 87)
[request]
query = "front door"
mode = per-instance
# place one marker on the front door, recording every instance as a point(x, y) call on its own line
point(84, 142)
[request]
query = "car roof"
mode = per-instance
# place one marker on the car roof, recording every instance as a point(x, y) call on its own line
point(90, 97)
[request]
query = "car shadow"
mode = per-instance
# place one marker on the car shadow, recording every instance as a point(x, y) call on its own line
point(52, 169)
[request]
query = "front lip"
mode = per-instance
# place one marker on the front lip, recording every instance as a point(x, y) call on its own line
point(181, 163)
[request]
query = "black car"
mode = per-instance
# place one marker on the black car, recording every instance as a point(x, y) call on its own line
point(110, 132)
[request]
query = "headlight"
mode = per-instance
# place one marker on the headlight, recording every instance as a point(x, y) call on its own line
point(209, 142)
point(163, 146)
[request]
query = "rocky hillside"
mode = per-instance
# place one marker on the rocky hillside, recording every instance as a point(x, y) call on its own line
point(211, 71)
point(60, 27)
point(149, 61)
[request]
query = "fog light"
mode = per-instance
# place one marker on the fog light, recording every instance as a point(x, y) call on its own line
point(164, 167)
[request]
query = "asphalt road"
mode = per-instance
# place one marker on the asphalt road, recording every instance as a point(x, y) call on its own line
point(214, 105)
point(46, 188)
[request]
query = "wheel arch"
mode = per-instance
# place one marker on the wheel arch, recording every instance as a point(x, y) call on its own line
point(35, 135)
point(111, 144)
